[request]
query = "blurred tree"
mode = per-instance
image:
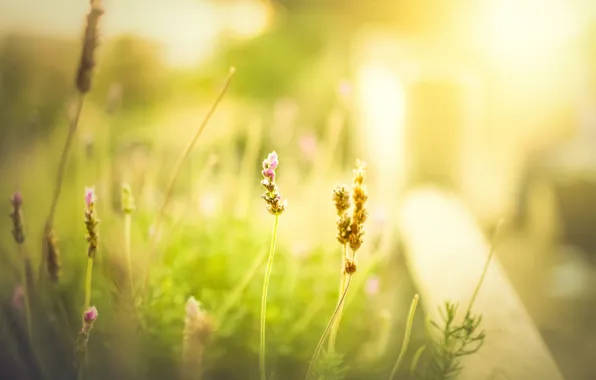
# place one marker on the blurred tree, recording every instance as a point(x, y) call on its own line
point(135, 64)
point(36, 79)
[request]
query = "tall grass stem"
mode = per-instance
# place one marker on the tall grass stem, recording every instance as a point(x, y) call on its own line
point(60, 176)
point(328, 328)
point(264, 298)
point(181, 160)
point(406, 341)
point(342, 285)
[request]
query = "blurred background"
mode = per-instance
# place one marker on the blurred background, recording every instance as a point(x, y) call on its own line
point(492, 99)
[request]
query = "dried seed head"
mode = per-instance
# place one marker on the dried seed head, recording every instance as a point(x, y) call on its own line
point(359, 213)
point(53, 256)
point(341, 198)
point(350, 266)
point(91, 222)
point(90, 42)
point(198, 328)
point(17, 218)
point(276, 205)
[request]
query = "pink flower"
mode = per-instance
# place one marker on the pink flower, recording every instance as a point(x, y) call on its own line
point(90, 315)
point(89, 196)
point(271, 162)
point(269, 174)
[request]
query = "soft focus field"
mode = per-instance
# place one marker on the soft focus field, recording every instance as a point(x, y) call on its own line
point(450, 97)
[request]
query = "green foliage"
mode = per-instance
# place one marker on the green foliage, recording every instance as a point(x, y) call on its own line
point(330, 367)
point(455, 340)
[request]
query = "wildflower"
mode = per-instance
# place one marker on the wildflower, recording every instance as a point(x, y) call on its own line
point(89, 317)
point(87, 62)
point(198, 328)
point(276, 206)
point(91, 222)
point(275, 203)
point(17, 218)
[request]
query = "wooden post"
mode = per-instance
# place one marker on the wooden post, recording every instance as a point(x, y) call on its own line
point(446, 252)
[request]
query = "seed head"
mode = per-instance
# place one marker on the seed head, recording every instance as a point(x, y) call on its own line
point(341, 197)
point(198, 328)
point(91, 222)
point(17, 218)
point(359, 213)
point(90, 42)
point(350, 266)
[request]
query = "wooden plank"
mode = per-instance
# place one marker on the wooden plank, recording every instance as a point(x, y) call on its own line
point(446, 252)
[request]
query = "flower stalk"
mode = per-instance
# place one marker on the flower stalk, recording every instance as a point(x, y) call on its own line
point(91, 223)
point(89, 317)
point(350, 233)
point(276, 206)
point(83, 86)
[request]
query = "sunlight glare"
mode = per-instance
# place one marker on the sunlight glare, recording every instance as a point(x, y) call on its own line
point(523, 32)
point(246, 18)
point(383, 103)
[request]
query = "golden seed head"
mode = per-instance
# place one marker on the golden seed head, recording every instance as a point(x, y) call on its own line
point(359, 212)
point(350, 266)
point(341, 198)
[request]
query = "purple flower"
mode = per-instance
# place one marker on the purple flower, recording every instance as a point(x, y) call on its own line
point(90, 315)
point(89, 196)
point(271, 162)
point(269, 174)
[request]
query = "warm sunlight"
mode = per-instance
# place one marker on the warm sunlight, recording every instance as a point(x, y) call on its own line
point(383, 103)
point(524, 32)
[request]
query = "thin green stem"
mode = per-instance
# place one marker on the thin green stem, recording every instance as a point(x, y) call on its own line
point(60, 176)
point(486, 265)
point(406, 341)
point(178, 166)
point(127, 247)
point(342, 285)
point(264, 298)
point(88, 279)
point(328, 328)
